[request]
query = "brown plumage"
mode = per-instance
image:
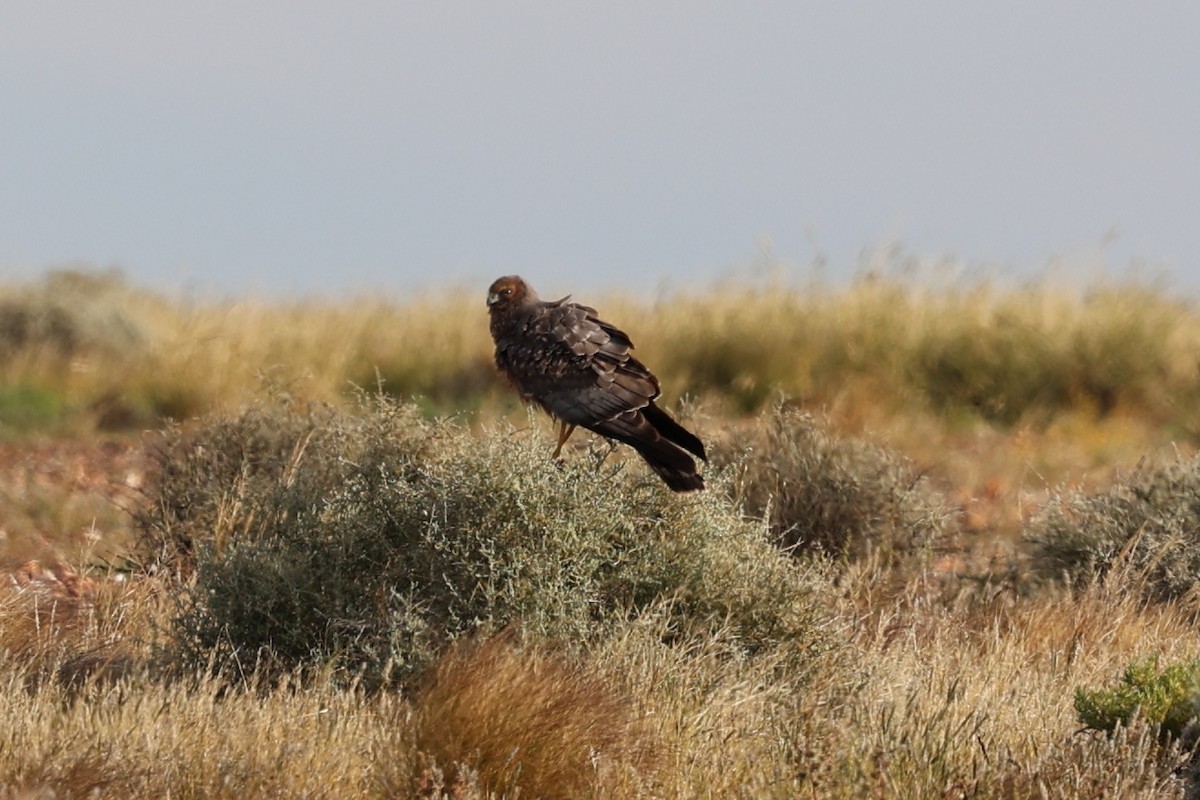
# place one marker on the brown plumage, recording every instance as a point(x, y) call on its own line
point(578, 368)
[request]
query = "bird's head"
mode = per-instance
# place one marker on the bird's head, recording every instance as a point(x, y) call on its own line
point(509, 292)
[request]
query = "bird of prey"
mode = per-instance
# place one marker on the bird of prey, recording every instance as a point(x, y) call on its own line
point(578, 368)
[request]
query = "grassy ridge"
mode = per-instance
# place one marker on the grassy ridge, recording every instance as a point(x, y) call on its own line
point(91, 349)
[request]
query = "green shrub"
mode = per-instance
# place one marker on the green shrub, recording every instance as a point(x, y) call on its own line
point(372, 539)
point(1164, 697)
point(1148, 524)
point(836, 495)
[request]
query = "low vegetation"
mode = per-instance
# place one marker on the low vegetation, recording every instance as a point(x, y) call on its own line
point(928, 563)
point(1147, 693)
point(1145, 526)
point(85, 350)
point(833, 494)
point(368, 541)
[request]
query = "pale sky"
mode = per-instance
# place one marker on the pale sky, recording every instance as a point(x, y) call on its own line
point(309, 147)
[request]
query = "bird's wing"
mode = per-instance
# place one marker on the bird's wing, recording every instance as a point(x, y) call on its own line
point(578, 367)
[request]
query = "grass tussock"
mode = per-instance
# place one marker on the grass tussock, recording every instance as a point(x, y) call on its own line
point(1004, 354)
point(54, 332)
point(523, 719)
point(58, 627)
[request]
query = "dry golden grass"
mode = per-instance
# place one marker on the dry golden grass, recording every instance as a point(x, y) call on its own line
point(923, 699)
point(970, 350)
point(950, 676)
point(140, 738)
point(974, 700)
point(522, 719)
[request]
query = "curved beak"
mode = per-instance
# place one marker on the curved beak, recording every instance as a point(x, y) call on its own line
point(493, 298)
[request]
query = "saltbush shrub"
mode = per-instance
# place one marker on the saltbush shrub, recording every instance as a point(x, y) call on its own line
point(833, 494)
point(371, 539)
point(246, 477)
point(1147, 524)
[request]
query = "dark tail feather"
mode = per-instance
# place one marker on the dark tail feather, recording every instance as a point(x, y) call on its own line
point(668, 459)
point(677, 480)
point(668, 427)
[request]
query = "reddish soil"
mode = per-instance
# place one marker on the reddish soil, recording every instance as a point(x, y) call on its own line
point(53, 493)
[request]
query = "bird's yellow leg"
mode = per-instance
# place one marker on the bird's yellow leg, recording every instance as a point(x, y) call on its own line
point(564, 433)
